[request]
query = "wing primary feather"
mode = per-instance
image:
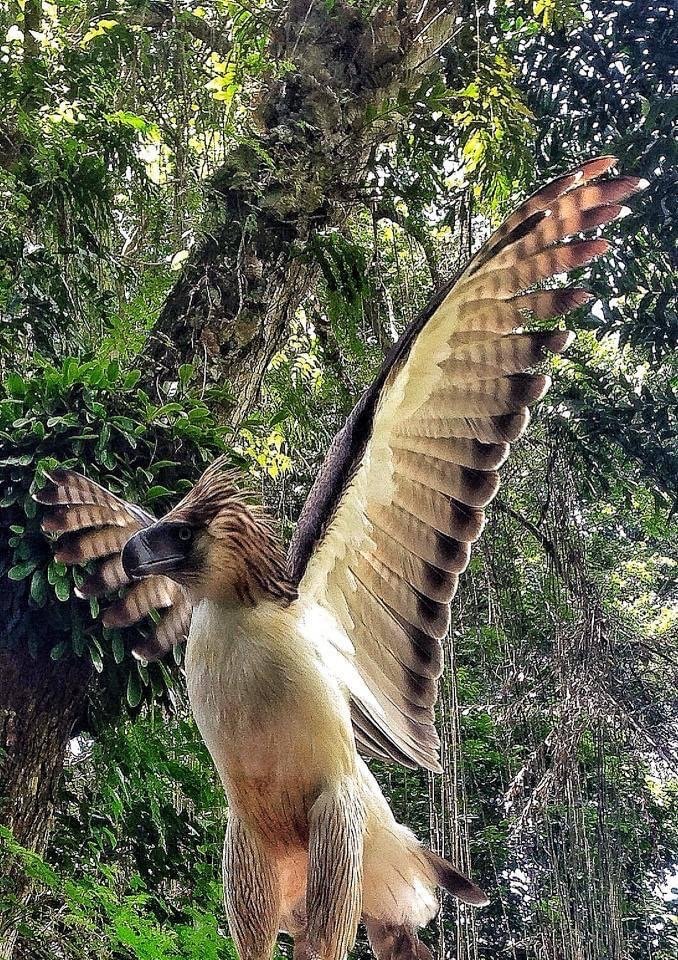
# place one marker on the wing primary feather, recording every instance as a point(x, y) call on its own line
point(442, 512)
point(108, 577)
point(504, 282)
point(425, 541)
point(474, 488)
point(91, 545)
point(542, 200)
point(463, 451)
point(95, 525)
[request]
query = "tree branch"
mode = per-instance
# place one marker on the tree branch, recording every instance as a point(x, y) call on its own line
point(158, 14)
point(538, 534)
point(389, 211)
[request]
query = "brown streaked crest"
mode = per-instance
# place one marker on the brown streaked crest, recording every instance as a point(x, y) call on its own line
point(219, 488)
point(216, 543)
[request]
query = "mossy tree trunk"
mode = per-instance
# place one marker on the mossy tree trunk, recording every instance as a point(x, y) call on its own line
point(41, 701)
point(319, 122)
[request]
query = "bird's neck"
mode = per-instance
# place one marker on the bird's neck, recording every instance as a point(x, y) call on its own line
point(247, 569)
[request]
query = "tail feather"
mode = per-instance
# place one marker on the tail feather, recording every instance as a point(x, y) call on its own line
point(398, 940)
point(448, 877)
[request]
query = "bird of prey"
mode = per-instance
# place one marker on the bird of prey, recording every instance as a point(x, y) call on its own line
point(299, 665)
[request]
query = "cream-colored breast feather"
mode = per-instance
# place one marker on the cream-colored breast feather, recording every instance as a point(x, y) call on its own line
point(270, 699)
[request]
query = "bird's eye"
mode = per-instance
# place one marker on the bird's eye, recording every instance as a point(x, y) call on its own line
point(185, 534)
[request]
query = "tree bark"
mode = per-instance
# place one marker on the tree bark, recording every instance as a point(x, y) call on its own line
point(301, 171)
point(40, 702)
point(32, 70)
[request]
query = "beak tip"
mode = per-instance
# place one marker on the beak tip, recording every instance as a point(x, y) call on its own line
point(129, 558)
point(150, 551)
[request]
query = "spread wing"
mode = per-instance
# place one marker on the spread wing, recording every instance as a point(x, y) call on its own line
point(93, 526)
point(389, 523)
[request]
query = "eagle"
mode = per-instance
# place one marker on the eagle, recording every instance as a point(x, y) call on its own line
point(300, 664)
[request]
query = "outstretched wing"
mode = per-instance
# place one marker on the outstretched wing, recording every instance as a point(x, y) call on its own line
point(389, 523)
point(93, 526)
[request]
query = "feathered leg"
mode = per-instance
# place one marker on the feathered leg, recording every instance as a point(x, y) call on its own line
point(334, 891)
point(252, 892)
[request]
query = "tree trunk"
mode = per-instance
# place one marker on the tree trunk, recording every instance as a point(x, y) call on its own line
point(40, 702)
point(302, 170)
point(32, 68)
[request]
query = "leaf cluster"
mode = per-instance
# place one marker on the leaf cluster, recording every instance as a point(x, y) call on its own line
point(91, 415)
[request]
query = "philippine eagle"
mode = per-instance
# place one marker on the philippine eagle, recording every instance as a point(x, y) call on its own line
point(299, 664)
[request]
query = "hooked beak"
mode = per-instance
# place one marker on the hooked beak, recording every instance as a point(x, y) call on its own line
point(154, 550)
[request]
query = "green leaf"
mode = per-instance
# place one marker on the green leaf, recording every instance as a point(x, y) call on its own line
point(118, 647)
point(22, 570)
point(198, 413)
point(186, 371)
point(62, 589)
point(133, 689)
point(55, 571)
point(158, 491)
point(39, 588)
point(97, 659)
point(15, 385)
point(21, 461)
point(57, 652)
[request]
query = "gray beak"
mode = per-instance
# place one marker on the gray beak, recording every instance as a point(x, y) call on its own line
point(155, 550)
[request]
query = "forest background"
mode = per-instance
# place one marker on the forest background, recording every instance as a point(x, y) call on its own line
point(215, 218)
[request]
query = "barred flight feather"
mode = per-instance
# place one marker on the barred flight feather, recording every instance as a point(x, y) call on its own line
point(388, 525)
point(409, 645)
point(509, 354)
point(441, 512)
point(153, 593)
point(109, 576)
point(408, 533)
point(475, 488)
point(91, 545)
point(94, 526)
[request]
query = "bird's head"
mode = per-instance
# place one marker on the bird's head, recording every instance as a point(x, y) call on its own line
point(216, 544)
